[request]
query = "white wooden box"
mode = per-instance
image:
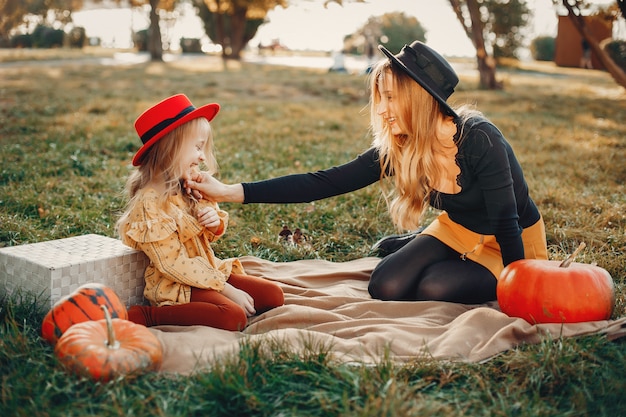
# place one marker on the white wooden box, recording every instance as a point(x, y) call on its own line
point(56, 268)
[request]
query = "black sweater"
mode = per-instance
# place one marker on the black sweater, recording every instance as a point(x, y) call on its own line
point(493, 200)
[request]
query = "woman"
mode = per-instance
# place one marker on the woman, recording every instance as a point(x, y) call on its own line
point(453, 160)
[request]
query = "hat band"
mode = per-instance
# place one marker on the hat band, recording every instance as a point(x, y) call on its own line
point(165, 123)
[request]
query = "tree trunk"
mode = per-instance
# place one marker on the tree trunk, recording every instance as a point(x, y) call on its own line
point(579, 23)
point(456, 7)
point(155, 45)
point(486, 64)
point(220, 33)
point(238, 32)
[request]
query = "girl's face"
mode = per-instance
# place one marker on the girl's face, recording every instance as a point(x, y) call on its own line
point(192, 153)
point(387, 107)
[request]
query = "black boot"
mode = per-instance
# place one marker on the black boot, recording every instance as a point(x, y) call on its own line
point(393, 243)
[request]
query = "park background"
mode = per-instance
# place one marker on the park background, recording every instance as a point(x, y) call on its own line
point(66, 140)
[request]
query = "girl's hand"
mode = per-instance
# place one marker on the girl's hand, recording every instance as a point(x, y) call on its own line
point(241, 298)
point(209, 218)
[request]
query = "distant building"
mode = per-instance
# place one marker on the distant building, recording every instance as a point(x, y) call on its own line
point(569, 47)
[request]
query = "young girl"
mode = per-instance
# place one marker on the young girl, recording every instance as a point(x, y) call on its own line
point(185, 283)
point(428, 154)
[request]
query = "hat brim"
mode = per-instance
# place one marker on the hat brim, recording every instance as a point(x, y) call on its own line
point(208, 111)
point(417, 79)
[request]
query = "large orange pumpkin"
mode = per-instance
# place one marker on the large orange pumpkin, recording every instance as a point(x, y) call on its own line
point(543, 291)
point(108, 348)
point(82, 305)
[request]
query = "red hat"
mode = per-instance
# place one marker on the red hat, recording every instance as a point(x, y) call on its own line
point(166, 116)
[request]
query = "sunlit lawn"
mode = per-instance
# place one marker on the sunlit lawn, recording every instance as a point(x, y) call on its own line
point(66, 139)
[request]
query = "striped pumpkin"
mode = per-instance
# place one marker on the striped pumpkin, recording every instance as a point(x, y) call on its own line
point(82, 305)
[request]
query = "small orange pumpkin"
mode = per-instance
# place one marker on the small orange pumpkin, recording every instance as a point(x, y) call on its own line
point(108, 348)
point(542, 291)
point(82, 305)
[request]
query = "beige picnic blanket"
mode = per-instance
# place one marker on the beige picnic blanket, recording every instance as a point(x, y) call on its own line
point(327, 308)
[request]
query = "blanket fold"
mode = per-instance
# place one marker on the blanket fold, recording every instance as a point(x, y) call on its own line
point(327, 307)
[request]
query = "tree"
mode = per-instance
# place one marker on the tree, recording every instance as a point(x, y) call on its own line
point(233, 23)
point(575, 14)
point(155, 43)
point(13, 12)
point(492, 25)
point(505, 21)
point(396, 28)
point(469, 14)
point(364, 39)
point(390, 29)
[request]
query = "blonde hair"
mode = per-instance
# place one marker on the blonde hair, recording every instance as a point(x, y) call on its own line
point(407, 160)
point(160, 162)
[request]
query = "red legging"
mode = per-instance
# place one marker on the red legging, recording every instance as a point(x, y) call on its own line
point(212, 308)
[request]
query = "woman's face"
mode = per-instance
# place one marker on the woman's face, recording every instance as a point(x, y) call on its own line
point(387, 107)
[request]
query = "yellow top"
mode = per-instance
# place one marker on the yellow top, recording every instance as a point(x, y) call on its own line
point(178, 248)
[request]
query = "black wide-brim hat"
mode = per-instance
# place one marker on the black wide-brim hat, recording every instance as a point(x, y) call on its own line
point(427, 68)
point(166, 116)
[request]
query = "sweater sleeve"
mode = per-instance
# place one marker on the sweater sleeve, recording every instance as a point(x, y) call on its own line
point(493, 170)
point(303, 188)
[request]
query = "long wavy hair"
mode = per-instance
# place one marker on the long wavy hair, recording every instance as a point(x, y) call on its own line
point(161, 163)
point(408, 161)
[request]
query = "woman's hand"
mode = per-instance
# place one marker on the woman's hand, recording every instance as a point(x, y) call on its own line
point(209, 218)
point(241, 298)
point(212, 189)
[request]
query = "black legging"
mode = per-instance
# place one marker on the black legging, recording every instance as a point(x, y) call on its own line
point(427, 269)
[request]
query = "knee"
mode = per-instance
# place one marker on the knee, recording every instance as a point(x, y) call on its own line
point(276, 297)
point(433, 290)
point(473, 292)
point(231, 316)
point(235, 320)
point(379, 288)
point(270, 299)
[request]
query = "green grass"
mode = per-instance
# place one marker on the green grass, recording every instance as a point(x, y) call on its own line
point(66, 139)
